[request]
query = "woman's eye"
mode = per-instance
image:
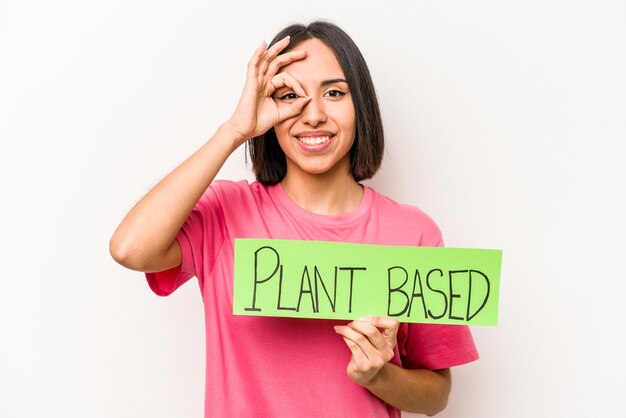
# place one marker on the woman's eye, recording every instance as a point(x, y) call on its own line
point(335, 93)
point(288, 96)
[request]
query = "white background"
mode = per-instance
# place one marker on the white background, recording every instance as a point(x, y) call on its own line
point(505, 121)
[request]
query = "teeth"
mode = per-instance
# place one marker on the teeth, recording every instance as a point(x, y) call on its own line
point(314, 140)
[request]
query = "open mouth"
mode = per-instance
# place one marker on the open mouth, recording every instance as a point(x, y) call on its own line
point(317, 140)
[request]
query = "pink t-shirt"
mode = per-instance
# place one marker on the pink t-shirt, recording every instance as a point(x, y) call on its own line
point(287, 367)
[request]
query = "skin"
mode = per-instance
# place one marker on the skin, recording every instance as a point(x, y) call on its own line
point(371, 341)
point(288, 92)
point(329, 111)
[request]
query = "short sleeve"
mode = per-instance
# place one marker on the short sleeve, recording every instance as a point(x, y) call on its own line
point(200, 238)
point(435, 346)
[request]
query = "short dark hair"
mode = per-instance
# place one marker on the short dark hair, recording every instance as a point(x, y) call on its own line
point(268, 159)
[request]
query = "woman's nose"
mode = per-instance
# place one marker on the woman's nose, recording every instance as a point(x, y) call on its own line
point(313, 113)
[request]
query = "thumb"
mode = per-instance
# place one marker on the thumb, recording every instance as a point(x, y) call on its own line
point(294, 108)
point(388, 326)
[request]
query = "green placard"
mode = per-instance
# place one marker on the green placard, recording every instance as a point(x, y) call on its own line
point(335, 280)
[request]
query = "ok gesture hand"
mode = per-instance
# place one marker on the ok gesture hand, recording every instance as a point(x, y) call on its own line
point(257, 111)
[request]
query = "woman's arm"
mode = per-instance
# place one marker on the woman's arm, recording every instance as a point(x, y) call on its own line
point(423, 391)
point(371, 341)
point(145, 240)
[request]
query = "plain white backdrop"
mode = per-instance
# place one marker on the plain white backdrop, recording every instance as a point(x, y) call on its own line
point(505, 121)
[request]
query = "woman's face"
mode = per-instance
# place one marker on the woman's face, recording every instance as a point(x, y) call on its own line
point(318, 140)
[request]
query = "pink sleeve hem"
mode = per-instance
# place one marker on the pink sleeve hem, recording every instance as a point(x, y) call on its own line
point(163, 283)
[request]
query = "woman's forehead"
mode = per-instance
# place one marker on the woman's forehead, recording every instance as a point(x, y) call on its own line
point(319, 64)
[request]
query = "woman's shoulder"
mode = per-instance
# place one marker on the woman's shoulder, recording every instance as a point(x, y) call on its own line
point(389, 204)
point(232, 186)
point(407, 215)
point(237, 189)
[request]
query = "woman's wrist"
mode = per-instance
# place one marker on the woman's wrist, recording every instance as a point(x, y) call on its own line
point(230, 134)
point(379, 379)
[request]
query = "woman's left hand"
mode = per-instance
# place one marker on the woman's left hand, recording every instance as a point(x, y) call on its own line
point(371, 341)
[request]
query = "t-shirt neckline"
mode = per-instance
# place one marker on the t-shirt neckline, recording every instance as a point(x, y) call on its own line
point(279, 194)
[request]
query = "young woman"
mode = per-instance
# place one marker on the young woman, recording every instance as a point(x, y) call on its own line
point(310, 117)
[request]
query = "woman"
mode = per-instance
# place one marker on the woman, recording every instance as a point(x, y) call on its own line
point(310, 116)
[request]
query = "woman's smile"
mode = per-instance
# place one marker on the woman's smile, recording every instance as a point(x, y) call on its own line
point(314, 141)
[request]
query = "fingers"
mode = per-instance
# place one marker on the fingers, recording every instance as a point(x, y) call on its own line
point(292, 108)
point(371, 332)
point(371, 341)
point(261, 57)
point(265, 63)
point(374, 335)
point(285, 79)
point(359, 357)
point(284, 59)
point(366, 359)
point(271, 53)
point(388, 326)
point(375, 355)
point(252, 64)
point(268, 61)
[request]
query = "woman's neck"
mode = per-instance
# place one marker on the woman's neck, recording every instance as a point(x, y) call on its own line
point(324, 194)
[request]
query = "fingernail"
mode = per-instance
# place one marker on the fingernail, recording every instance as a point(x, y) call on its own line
point(366, 319)
point(335, 328)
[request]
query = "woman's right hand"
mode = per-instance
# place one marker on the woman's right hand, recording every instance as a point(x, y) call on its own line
point(146, 239)
point(257, 111)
